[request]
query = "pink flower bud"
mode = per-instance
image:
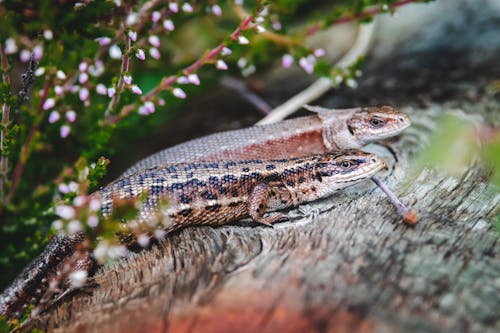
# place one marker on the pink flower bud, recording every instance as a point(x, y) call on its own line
point(182, 80)
point(49, 103)
point(115, 52)
point(286, 61)
point(71, 116)
point(61, 75)
point(37, 52)
point(186, 7)
point(155, 16)
point(136, 90)
point(83, 66)
point(194, 79)
point(226, 51)
point(243, 40)
point(179, 93)
point(54, 116)
point(83, 94)
point(140, 54)
point(64, 132)
point(168, 25)
point(83, 77)
point(154, 52)
point(24, 55)
point(58, 90)
point(221, 65)
point(132, 35)
point(101, 89)
point(319, 52)
point(127, 79)
point(174, 7)
point(103, 41)
point(306, 65)
point(216, 10)
point(154, 40)
point(111, 92)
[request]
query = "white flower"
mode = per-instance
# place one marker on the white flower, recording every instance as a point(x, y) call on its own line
point(243, 40)
point(61, 75)
point(37, 52)
point(57, 225)
point(132, 18)
point(149, 107)
point(40, 71)
point(154, 52)
point(306, 65)
point(115, 52)
point(10, 46)
point(216, 10)
point(136, 90)
point(49, 103)
point(101, 89)
point(79, 200)
point(132, 35)
point(94, 204)
point(168, 25)
point(242, 62)
point(194, 79)
point(74, 226)
point(182, 80)
point(127, 79)
point(83, 77)
point(66, 212)
point(24, 55)
point(260, 28)
point(111, 92)
point(186, 7)
point(53, 117)
point(58, 90)
point(140, 54)
point(155, 16)
point(77, 279)
point(96, 69)
point(286, 61)
point(226, 51)
point(71, 116)
point(47, 34)
point(221, 65)
point(318, 53)
point(92, 221)
point(83, 66)
point(179, 93)
point(174, 7)
point(154, 40)
point(64, 131)
point(83, 94)
point(103, 40)
point(351, 83)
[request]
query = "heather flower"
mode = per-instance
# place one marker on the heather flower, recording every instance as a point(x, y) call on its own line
point(136, 90)
point(40, 71)
point(10, 46)
point(83, 66)
point(226, 51)
point(101, 89)
point(132, 35)
point(103, 41)
point(140, 54)
point(83, 94)
point(24, 55)
point(97, 68)
point(61, 75)
point(94, 204)
point(243, 40)
point(79, 200)
point(186, 7)
point(63, 188)
point(47, 34)
point(238, 2)
point(111, 92)
point(182, 80)
point(155, 16)
point(49, 103)
point(83, 77)
point(37, 52)
point(71, 116)
point(127, 79)
point(194, 79)
point(54, 116)
point(286, 61)
point(132, 19)
point(154, 52)
point(216, 10)
point(92, 221)
point(318, 53)
point(260, 29)
point(74, 88)
point(161, 101)
point(58, 90)
point(66, 212)
point(149, 106)
point(57, 224)
point(307, 64)
point(179, 93)
point(174, 7)
point(168, 25)
point(74, 226)
point(143, 240)
point(221, 65)
point(115, 52)
point(64, 131)
point(154, 40)
point(351, 83)
point(242, 62)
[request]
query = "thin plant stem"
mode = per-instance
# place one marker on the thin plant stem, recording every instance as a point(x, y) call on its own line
point(121, 82)
point(4, 161)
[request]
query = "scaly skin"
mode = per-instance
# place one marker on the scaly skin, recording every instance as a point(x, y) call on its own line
point(325, 131)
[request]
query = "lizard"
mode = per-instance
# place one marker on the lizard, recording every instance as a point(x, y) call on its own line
point(326, 130)
point(211, 193)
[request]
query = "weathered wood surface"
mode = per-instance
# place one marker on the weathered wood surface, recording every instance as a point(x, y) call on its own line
point(353, 268)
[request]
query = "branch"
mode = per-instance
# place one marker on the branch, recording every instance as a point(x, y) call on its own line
point(125, 65)
point(4, 162)
point(25, 149)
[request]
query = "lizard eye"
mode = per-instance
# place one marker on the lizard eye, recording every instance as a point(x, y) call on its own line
point(376, 122)
point(346, 165)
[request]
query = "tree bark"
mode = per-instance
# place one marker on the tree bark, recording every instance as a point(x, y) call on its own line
point(349, 264)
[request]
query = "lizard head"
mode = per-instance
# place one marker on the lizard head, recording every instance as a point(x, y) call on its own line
point(376, 123)
point(340, 169)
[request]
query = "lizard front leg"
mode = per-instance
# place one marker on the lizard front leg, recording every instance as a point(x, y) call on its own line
point(258, 202)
